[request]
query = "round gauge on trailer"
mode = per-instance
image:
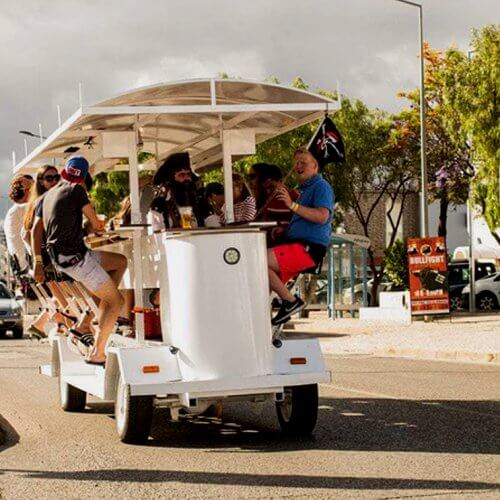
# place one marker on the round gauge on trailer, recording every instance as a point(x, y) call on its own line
point(231, 256)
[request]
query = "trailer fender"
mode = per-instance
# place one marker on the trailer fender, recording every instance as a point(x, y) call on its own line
point(298, 355)
point(143, 365)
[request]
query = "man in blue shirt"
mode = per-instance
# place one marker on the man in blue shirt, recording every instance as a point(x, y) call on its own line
point(307, 235)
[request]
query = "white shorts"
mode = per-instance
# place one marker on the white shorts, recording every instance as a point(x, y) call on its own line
point(88, 271)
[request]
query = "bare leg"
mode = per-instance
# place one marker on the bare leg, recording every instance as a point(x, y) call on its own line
point(128, 304)
point(110, 304)
point(114, 264)
point(274, 280)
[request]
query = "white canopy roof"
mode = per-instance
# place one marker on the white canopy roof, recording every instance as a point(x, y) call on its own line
point(180, 116)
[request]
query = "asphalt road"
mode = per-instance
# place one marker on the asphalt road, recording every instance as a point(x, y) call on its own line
point(388, 428)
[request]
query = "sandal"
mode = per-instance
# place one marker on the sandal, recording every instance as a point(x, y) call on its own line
point(121, 321)
point(83, 341)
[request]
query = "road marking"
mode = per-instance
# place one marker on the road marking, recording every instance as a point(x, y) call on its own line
point(422, 403)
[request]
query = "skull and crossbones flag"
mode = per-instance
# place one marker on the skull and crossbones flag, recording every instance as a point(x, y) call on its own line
point(326, 144)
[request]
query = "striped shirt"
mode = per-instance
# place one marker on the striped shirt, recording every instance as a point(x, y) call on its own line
point(244, 211)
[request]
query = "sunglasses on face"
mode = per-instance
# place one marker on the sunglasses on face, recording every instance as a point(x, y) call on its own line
point(51, 178)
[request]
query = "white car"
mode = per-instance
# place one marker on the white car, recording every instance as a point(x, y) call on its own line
point(487, 292)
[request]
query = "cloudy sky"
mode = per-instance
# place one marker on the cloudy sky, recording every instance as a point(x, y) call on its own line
point(369, 46)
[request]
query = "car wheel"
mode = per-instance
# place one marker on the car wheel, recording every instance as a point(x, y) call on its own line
point(486, 301)
point(456, 302)
point(18, 332)
point(2, 334)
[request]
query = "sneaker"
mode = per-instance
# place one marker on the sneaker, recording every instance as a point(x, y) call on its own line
point(276, 303)
point(287, 309)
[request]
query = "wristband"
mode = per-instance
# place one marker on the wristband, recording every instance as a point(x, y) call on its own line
point(294, 206)
point(38, 258)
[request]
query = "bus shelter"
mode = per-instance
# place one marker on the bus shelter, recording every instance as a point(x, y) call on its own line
point(347, 259)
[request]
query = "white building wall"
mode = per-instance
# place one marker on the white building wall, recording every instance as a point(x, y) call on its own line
point(458, 231)
point(458, 234)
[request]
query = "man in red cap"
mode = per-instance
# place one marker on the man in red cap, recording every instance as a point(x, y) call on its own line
point(60, 212)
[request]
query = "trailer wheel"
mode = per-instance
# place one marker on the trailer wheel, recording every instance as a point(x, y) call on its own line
point(298, 412)
point(72, 398)
point(133, 415)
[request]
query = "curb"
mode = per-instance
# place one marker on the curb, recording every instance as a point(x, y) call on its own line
point(471, 357)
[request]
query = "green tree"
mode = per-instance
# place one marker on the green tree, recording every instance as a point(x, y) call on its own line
point(380, 165)
point(472, 89)
point(396, 264)
point(108, 191)
point(448, 162)
point(110, 188)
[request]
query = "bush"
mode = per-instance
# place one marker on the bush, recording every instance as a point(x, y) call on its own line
point(396, 264)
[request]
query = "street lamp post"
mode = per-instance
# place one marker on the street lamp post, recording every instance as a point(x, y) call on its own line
point(424, 211)
point(470, 222)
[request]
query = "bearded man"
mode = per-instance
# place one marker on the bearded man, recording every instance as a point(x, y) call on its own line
point(175, 187)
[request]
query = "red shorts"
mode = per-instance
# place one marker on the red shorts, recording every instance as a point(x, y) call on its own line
point(292, 259)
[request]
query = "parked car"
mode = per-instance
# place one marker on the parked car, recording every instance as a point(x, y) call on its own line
point(458, 278)
point(487, 293)
point(11, 313)
point(384, 286)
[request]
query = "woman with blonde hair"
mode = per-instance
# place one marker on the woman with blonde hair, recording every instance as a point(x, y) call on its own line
point(46, 178)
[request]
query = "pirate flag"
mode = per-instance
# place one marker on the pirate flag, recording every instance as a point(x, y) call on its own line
point(327, 145)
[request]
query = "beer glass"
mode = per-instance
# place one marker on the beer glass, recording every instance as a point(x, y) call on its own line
point(102, 222)
point(186, 214)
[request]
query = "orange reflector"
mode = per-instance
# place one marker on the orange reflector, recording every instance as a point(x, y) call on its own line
point(298, 361)
point(150, 369)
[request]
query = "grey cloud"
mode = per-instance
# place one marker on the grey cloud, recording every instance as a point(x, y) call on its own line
point(370, 46)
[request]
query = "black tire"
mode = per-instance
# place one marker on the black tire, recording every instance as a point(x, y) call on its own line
point(133, 415)
point(18, 332)
point(2, 334)
point(486, 301)
point(72, 399)
point(298, 413)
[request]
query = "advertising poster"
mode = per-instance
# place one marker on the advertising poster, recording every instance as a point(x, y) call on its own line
point(428, 273)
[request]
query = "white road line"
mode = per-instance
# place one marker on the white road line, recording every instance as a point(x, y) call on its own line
point(422, 403)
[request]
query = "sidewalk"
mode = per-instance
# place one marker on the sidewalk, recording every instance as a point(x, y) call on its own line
point(464, 337)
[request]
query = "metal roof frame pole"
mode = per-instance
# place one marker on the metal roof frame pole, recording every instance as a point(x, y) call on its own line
point(136, 241)
point(228, 180)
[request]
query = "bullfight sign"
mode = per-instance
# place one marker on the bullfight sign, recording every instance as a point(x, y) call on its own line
point(428, 273)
